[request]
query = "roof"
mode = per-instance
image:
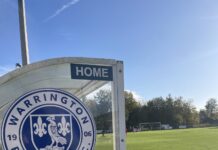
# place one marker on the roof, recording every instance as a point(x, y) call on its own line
point(52, 73)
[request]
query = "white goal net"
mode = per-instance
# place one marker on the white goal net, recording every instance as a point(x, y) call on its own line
point(150, 126)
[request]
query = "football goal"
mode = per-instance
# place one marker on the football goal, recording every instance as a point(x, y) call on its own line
point(150, 126)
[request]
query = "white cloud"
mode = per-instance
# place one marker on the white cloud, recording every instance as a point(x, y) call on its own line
point(60, 10)
point(137, 96)
point(5, 69)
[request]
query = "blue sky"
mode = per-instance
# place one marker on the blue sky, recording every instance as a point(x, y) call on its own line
point(168, 46)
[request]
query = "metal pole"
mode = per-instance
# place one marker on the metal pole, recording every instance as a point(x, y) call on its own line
point(23, 33)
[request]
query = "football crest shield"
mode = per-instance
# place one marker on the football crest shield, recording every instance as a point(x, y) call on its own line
point(48, 119)
point(55, 129)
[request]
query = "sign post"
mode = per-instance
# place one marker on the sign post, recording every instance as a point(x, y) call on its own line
point(118, 106)
point(23, 33)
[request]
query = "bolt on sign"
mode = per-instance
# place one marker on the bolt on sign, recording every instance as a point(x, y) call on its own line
point(48, 119)
point(91, 72)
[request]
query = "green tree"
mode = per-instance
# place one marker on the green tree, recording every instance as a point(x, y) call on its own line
point(203, 116)
point(92, 105)
point(156, 109)
point(211, 108)
point(211, 111)
point(132, 110)
point(103, 99)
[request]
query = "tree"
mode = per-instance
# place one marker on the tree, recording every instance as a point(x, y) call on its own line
point(211, 111)
point(156, 109)
point(103, 99)
point(92, 105)
point(203, 116)
point(132, 110)
point(173, 111)
point(211, 108)
point(130, 103)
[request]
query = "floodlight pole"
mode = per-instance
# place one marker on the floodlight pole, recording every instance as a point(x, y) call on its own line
point(23, 33)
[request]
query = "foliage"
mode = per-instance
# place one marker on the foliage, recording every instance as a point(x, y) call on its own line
point(173, 111)
point(101, 108)
point(132, 108)
point(210, 114)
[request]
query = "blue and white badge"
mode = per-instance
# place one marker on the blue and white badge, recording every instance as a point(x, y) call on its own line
point(48, 119)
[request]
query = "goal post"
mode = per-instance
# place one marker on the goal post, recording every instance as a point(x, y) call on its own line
point(150, 126)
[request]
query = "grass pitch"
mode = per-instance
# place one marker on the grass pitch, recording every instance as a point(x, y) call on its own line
point(184, 139)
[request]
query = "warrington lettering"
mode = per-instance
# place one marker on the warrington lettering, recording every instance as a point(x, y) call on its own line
point(29, 103)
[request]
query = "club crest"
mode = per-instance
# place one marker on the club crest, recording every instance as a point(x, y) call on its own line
point(55, 129)
point(48, 119)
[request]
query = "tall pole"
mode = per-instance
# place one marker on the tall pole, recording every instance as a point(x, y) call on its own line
point(23, 33)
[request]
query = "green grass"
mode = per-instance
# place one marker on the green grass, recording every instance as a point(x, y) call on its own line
point(184, 139)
